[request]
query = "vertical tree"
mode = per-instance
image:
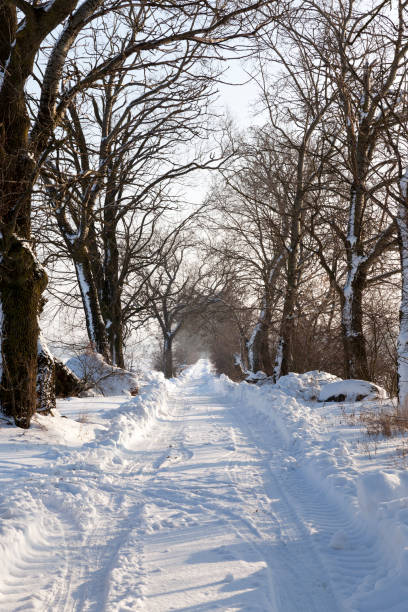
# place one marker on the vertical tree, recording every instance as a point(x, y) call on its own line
point(175, 291)
point(362, 53)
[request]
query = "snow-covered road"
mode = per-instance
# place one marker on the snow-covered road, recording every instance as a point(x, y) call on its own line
point(206, 511)
point(219, 532)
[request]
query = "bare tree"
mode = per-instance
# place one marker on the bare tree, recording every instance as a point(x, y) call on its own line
point(110, 180)
point(179, 288)
point(362, 61)
point(24, 26)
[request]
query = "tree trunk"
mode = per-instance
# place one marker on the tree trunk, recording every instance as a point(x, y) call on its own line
point(168, 357)
point(94, 321)
point(21, 285)
point(283, 359)
point(259, 357)
point(356, 362)
point(402, 346)
point(46, 399)
point(112, 293)
point(115, 336)
point(67, 384)
point(22, 279)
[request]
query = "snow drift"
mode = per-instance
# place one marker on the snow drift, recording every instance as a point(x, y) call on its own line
point(351, 391)
point(101, 378)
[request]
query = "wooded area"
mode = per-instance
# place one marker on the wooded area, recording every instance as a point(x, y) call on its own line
point(297, 256)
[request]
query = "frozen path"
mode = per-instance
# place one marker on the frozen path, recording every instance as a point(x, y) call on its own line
point(219, 533)
point(210, 510)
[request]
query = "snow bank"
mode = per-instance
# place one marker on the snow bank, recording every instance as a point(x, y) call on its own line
point(351, 391)
point(133, 419)
point(373, 497)
point(307, 385)
point(44, 492)
point(256, 376)
point(100, 377)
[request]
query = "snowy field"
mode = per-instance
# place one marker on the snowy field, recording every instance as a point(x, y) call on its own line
point(201, 495)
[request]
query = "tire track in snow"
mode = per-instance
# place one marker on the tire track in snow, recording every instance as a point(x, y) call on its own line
point(345, 545)
point(300, 578)
point(272, 537)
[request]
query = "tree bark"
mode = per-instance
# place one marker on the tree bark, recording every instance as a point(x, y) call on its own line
point(259, 357)
point(112, 292)
point(283, 359)
point(22, 279)
point(67, 384)
point(46, 398)
point(21, 285)
point(402, 345)
point(94, 321)
point(355, 353)
point(168, 357)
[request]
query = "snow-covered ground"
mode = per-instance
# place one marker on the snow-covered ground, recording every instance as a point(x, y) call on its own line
point(201, 494)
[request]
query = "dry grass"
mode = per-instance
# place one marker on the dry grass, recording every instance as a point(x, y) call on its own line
point(386, 424)
point(380, 425)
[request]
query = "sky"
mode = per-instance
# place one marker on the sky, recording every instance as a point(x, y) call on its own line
point(236, 99)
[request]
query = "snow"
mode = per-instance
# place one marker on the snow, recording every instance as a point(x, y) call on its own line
point(351, 391)
point(202, 494)
point(307, 385)
point(256, 376)
point(100, 377)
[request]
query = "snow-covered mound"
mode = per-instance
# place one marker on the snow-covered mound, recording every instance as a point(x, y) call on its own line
point(101, 378)
point(256, 376)
point(351, 391)
point(307, 385)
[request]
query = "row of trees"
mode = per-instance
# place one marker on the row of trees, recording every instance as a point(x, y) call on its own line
point(91, 100)
point(312, 206)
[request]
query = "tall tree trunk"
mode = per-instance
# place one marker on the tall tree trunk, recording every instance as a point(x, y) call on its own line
point(283, 359)
point(114, 328)
point(112, 293)
point(168, 356)
point(21, 285)
point(96, 260)
point(402, 346)
point(355, 353)
point(259, 357)
point(258, 352)
point(22, 279)
point(46, 392)
point(94, 321)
